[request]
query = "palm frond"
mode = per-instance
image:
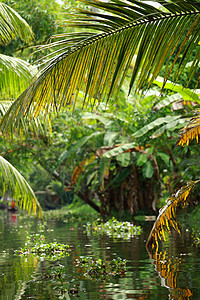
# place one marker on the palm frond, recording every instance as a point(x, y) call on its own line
point(128, 33)
point(167, 215)
point(36, 128)
point(15, 76)
point(11, 181)
point(168, 269)
point(4, 106)
point(191, 131)
point(13, 26)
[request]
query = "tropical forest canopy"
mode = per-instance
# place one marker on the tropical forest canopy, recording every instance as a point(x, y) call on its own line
point(93, 102)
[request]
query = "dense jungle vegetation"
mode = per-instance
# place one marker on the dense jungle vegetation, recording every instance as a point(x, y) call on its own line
point(128, 74)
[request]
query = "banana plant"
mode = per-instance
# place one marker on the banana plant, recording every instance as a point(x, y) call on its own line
point(167, 218)
point(117, 38)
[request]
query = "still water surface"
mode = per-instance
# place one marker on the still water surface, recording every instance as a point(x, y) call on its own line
point(172, 273)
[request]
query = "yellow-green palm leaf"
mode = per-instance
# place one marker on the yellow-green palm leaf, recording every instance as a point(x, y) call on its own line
point(167, 214)
point(191, 131)
point(15, 76)
point(119, 34)
point(12, 25)
point(11, 181)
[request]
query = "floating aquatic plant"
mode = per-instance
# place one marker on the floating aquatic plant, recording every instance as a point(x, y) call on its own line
point(51, 251)
point(99, 269)
point(36, 245)
point(114, 228)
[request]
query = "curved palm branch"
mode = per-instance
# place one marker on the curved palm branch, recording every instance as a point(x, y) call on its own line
point(167, 214)
point(11, 180)
point(12, 26)
point(129, 33)
point(36, 128)
point(191, 131)
point(15, 74)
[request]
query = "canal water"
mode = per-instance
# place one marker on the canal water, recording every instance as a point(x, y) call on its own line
point(171, 273)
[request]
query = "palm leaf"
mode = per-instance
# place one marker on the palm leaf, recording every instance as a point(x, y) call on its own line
point(168, 269)
point(191, 131)
point(167, 215)
point(96, 63)
point(11, 181)
point(35, 128)
point(13, 26)
point(15, 76)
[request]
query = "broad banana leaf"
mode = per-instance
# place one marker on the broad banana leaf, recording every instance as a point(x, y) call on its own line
point(157, 122)
point(11, 181)
point(119, 34)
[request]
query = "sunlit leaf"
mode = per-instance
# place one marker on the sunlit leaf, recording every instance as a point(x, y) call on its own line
point(96, 60)
point(13, 183)
point(12, 25)
point(190, 131)
point(167, 214)
point(15, 76)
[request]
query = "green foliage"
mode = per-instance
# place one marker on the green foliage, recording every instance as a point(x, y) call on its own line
point(13, 26)
point(14, 77)
point(141, 36)
point(51, 251)
point(100, 270)
point(12, 182)
point(41, 17)
point(114, 228)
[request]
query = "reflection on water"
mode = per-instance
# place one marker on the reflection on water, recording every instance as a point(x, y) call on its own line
point(168, 270)
point(173, 273)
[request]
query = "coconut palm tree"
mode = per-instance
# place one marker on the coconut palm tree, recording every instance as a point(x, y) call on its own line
point(117, 39)
point(13, 78)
